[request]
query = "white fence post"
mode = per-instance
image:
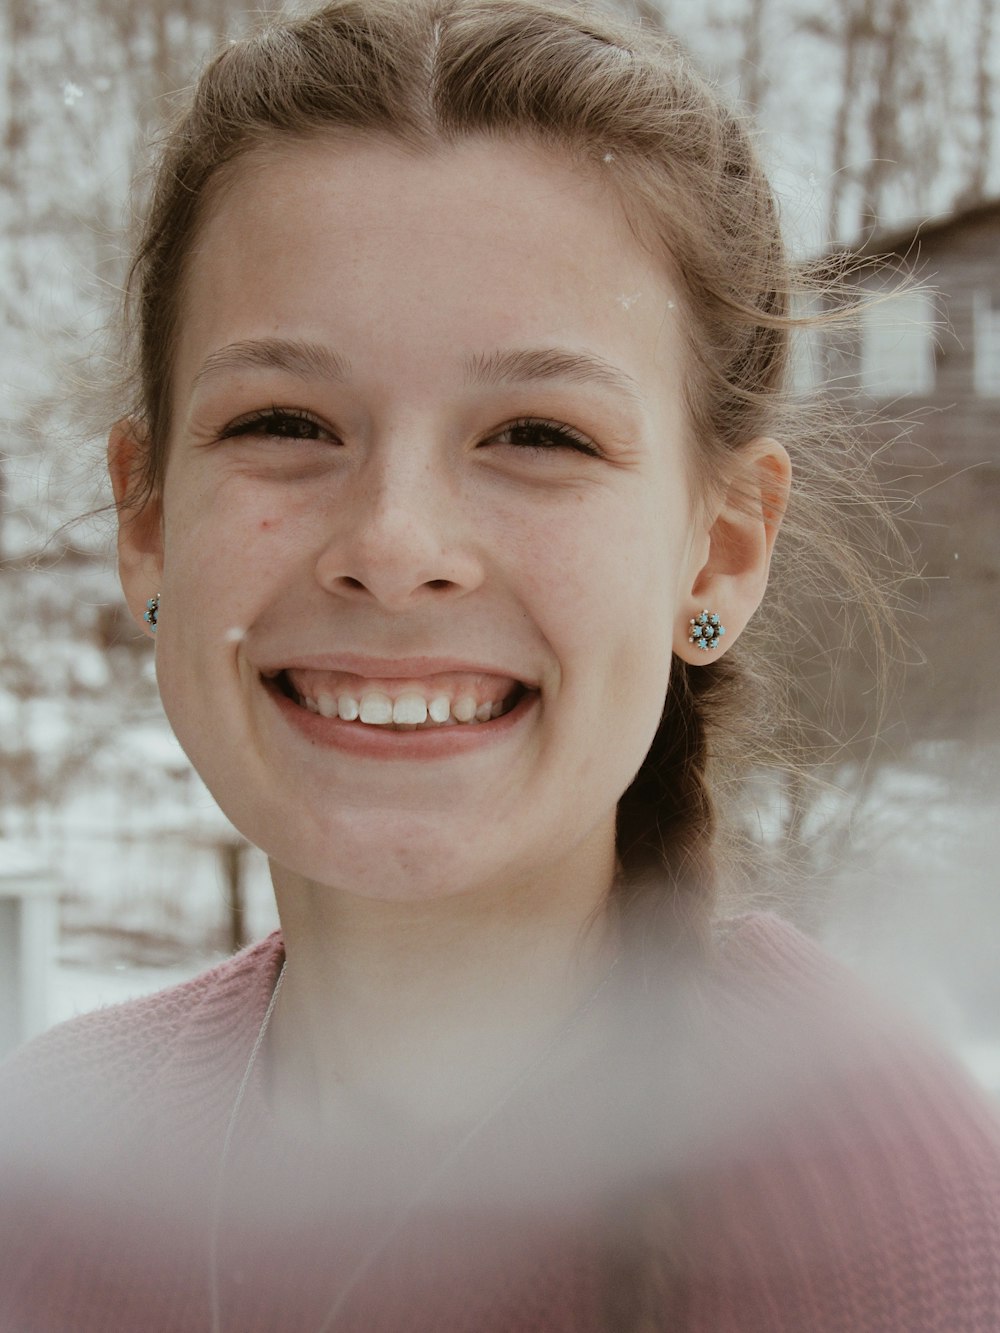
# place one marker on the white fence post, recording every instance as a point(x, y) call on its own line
point(29, 927)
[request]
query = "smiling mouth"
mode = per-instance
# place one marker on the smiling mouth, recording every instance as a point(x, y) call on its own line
point(429, 705)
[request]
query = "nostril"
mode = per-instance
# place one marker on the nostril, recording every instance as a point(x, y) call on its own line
point(439, 583)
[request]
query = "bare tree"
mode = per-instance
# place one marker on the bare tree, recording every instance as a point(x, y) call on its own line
point(983, 152)
point(19, 27)
point(894, 115)
point(889, 50)
point(753, 82)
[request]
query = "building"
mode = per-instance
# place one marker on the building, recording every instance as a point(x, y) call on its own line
point(928, 358)
point(937, 347)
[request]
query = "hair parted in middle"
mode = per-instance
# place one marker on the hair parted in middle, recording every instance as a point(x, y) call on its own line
point(622, 102)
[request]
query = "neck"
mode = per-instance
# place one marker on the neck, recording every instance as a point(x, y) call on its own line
point(427, 1010)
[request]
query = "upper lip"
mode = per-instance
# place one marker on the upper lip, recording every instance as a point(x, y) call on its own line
point(392, 668)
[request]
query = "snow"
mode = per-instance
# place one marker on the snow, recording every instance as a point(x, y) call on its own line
point(78, 990)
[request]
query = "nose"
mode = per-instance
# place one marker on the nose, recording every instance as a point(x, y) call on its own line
point(400, 534)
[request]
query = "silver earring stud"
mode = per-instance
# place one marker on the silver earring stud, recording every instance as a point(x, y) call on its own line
point(706, 630)
point(152, 612)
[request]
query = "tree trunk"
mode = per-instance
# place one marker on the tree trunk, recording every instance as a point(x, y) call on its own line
point(984, 97)
point(752, 84)
point(18, 87)
point(884, 148)
point(851, 39)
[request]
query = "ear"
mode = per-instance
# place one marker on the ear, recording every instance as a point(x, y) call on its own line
point(140, 525)
point(740, 538)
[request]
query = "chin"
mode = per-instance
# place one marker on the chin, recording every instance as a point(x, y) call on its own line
point(410, 864)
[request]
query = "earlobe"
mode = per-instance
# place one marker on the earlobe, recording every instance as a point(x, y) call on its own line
point(741, 531)
point(140, 533)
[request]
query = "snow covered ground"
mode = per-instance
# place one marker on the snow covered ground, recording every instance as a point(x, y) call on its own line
point(76, 989)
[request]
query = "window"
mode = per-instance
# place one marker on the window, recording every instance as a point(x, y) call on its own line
point(986, 344)
point(897, 346)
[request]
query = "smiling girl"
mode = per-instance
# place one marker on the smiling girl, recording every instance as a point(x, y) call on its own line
point(458, 456)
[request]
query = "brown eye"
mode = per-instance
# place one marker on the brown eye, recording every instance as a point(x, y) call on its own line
point(544, 437)
point(279, 424)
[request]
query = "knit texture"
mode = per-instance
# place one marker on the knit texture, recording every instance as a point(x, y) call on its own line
point(834, 1173)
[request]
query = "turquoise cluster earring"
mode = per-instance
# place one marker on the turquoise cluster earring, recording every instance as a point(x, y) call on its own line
point(706, 631)
point(152, 612)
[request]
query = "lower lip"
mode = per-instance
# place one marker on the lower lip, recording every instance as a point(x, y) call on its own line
point(375, 742)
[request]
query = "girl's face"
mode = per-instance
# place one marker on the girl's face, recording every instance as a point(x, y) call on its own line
point(428, 451)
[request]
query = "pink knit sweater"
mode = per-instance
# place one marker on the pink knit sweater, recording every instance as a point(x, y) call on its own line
point(819, 1168)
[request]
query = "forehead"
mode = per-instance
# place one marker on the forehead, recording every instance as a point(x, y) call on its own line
point(484, 242)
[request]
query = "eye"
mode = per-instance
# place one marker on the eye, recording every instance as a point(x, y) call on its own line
point(537, 436)
point(281, 423)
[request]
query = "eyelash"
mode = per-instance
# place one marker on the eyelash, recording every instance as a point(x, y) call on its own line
point(245, 425)
point(563, 436)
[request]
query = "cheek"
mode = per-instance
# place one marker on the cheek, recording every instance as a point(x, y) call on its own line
point(637, 614)
point(607, 593)
point(225, 545)
point(221, 565)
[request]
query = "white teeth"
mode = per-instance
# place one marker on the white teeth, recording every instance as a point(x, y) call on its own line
point(410, 708)
point(375, 709)
point(439, 709)
point(464, 708)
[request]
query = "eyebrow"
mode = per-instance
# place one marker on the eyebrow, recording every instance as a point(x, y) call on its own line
point(551, 363)
point(306, 360)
